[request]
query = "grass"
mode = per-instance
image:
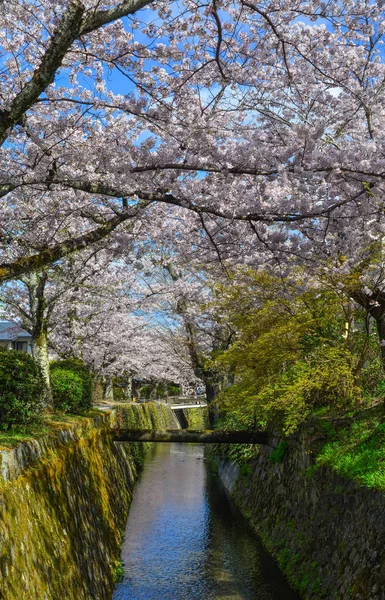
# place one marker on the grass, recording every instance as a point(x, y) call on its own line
point(49, 423)
point(357, 450)
point(119, 572)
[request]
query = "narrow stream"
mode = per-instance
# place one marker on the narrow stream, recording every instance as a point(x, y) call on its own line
point(186, 541)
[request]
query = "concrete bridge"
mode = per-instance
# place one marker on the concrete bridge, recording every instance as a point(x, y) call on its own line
point(190, 436)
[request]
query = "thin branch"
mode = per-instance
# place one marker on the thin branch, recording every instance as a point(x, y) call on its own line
point(62, 249)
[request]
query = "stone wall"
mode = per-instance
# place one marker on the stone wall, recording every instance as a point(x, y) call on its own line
point(64, 502)
point(196, 418)
point(327, 533)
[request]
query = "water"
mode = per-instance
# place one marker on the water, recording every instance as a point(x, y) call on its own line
point(186, 541)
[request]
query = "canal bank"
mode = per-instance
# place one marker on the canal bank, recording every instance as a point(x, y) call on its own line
point(327, 532)
point(185, 540)
point(64, 501)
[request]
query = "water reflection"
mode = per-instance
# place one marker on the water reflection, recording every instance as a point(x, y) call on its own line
point(185, 540)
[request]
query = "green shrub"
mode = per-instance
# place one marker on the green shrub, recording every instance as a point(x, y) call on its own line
point(71, 385)
point(145, 391)
point(119, 392)
point(67, 391)
point(21, 388)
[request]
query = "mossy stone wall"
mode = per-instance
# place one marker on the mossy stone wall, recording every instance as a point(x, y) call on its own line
point(64, 502)
point(197, 418)
point(144, 416)
point(327, 533)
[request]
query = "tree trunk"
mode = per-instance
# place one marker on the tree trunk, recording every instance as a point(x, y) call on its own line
point(153, 391)
point(127, 391)
point(211, 394)
point(374, 304)
point(35, 283)
point(40, 354)
point(109, 389)
point(97, 390)
point(381, 334)
point(136, 385)
point(208, 376)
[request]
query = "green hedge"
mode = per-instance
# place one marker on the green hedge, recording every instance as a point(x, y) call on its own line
point(71, 385)
point(21, 388)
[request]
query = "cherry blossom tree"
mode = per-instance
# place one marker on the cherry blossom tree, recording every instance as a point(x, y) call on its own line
point(88, 307)
point(236, 131)
point(45, 301)
point(266, 114)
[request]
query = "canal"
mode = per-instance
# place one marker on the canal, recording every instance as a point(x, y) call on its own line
point(185, 540)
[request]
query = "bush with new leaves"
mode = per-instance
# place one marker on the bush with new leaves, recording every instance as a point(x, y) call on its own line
point(21, 388)
point(290, 355)
point(71, 386)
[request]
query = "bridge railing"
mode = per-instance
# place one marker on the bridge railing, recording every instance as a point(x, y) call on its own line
point(174, 400)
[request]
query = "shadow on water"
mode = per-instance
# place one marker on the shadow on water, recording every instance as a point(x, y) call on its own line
point(185, 540)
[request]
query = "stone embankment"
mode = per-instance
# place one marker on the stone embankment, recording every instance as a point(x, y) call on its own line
point(328, 533)
point(64, 501)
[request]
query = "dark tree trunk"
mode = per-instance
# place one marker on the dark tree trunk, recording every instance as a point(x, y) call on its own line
point(381, 334)
point(374, 304)
point(211, 394)
point(136, 385)
point(109, 389)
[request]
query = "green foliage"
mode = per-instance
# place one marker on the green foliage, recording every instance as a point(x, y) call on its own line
point(242, 454)
point(380, 390)
point(159, 390)
point(278, 454)
point(292, 354)
point(21, 389)
point(71, 386)
point(357, 451)
point(118, 391)
point(119, 572)
point(173, 389)
point(47, 423)
point(67, 391)
point(145, 391)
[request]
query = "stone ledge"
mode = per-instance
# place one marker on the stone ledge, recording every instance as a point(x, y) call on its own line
point(14, 461)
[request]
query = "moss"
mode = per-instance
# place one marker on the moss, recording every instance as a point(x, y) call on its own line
point(74, 499)
point(49, 424)
point(197, 418)
point(278, 454)
point(62, 519)
point(119, 572)
point(356, 450)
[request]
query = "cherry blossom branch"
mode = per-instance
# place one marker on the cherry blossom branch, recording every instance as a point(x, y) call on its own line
point(219, 40)
point(166, 197)
point(280, 38)
point(70, 28)
point(67, 247)
point(103, 17)
point(67, 31)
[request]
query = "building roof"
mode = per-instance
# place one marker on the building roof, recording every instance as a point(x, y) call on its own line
point(11, 331)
